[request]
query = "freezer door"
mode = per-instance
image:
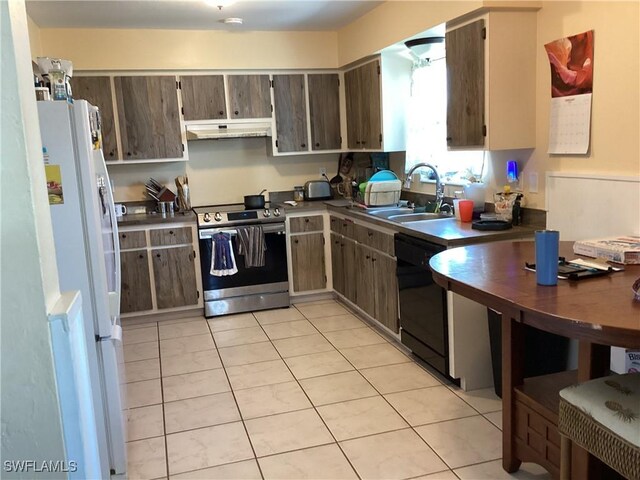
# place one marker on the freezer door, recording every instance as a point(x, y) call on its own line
point(114, 400)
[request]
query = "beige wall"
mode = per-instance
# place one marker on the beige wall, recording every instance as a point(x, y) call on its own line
point(615, 118)
point(125, 49)
point(34, 39)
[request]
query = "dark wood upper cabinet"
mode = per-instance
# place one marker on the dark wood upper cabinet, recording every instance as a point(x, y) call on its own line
point(249, 96)
point(364, 120)
point(466, 86)
point(148, 117)
point(324, 111)
point(291, 113)
point(97, 91)
point(203, 97)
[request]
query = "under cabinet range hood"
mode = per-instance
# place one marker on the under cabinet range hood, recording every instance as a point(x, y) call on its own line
point(228, 130)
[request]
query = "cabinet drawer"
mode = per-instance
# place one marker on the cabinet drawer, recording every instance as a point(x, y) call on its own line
point(375, 239)
point(313, 223)
point(335, 224)
point(170, 236)
point(132, 240)
point(347, 228)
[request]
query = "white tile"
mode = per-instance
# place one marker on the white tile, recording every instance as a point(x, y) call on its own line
point(393, 455)
point(494, 471)
point(464, 441)
point(132, 324)
point(357, 418)
point(185, 329)
point(240, 336)
point(190, 362)
point(140, 351)
point(399, 377)
point(338, 322)
point(191, 318)
point(495, 418)
point(180, 345)
point(429, 405)
point(271, 399)
point(146, 459)
point(268, 317)
point(231, 322)
point(207, 447)
point(287, 431)
point(296, 328)
point(143, 393)
point(200, 412)
point(322, 310)
point(246, 470)
point(374, 355)
point(259, 374)
point(444, 475)
point(144, 422)
point(355, 337)
point(195, 384)
point(296, 346)
point(142, 370)
point(246, 354)
point(484, 400)
point(338, 387)
point(317, 302)
point(319, 463)
point(140, 335)
point(317, 364)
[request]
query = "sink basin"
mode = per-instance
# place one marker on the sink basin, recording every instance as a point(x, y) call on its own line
point(389, 212)
point(416, 217)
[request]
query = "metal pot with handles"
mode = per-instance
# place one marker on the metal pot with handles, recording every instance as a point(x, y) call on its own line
point(254, 202)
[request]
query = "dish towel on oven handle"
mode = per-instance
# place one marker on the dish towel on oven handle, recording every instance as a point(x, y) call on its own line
point(251, 244)
point(223, 262)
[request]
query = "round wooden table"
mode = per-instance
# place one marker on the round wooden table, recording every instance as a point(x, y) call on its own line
point(598, 312)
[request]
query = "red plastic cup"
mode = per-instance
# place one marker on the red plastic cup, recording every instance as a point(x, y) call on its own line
point(466, 210)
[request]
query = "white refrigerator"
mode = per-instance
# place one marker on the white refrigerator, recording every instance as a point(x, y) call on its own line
point(88, 258)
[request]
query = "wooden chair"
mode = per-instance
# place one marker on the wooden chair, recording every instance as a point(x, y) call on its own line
point(603, 417)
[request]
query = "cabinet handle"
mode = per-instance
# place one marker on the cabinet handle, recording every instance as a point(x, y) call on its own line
point(128, 154)
point(170, 232)
point(236, 112)
point(370, 234)
point(124, 235)
point(221, 112)
point(158, 255)
point(306, 220)
point(367, 257)
point(317, 144)
point(111, 154)
point(140, 256)
point(304, 145)
point(295, 241)
point(373, 259)
point(449, 139)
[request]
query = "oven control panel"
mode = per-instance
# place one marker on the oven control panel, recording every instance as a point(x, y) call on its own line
point(240, 217)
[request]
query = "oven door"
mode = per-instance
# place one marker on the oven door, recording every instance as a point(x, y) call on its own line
point(249, 280)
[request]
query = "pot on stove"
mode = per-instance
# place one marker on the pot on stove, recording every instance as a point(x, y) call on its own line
point(254, 202)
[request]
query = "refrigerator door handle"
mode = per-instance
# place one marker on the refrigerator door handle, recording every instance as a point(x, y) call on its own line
point(114, 297)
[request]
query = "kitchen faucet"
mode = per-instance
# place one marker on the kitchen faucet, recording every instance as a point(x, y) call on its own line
point(439, 184)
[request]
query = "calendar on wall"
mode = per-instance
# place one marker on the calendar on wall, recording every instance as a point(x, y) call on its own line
point(571, 61)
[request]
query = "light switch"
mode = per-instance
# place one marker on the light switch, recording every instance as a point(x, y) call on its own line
point(533, 182)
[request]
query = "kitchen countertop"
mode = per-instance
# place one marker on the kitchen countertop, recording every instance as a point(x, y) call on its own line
point(155, 219)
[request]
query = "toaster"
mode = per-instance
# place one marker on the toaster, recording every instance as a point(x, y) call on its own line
point(317, 190)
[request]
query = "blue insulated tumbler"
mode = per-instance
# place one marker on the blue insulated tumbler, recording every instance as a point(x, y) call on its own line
point(547, 257)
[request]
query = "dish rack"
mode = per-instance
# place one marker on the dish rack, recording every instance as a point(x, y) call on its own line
point(382, 193)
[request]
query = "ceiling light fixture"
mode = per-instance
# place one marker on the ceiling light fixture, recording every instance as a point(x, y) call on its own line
point(233, 21)
point(427, 47)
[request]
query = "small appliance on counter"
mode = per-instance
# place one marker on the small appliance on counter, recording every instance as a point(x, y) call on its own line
point(317, 190)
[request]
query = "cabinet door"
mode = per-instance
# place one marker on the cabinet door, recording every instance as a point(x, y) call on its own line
point(135, 290)
point(465, 86)
point(352, 94)
point(324, 111)
point(291, 113)
point(148, 117)
point(203, 97)
point(313, 223)
point(386, 288)
point(97, 91)
point(174, 274)
point(337, 267)
point(349, 268)
point(370, 119)
point(365, 283)
point(307, 257)
point(249, 96)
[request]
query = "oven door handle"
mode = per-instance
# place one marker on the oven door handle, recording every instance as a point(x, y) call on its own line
point(210, 232)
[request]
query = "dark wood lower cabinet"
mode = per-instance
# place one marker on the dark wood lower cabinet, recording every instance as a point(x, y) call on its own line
point(175, 277)
point(135, 289)
point(365, 280)
point(307, 256)
point(386, 291)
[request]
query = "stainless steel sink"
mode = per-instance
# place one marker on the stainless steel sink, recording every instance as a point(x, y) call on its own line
point(389, 212)
point(416, 217)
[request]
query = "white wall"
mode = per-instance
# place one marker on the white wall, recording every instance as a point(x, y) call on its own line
point(31, 428)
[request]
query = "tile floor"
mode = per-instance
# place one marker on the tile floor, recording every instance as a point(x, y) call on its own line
point(306, 392)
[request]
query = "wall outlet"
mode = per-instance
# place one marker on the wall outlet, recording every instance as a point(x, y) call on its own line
point(323, 171)
point(533, 182)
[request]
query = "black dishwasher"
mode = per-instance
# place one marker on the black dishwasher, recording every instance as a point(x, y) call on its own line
point(423, 303)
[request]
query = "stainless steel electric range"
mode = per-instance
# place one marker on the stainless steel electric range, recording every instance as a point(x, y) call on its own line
point(251, 288)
